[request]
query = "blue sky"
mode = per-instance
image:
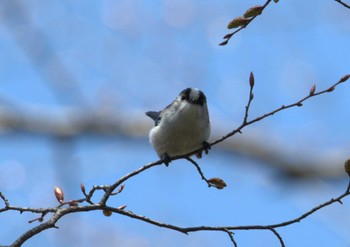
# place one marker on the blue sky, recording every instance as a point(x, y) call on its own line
point(122, 58)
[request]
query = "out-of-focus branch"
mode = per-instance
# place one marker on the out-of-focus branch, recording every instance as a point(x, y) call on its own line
point(83, 121)
point(35, 45)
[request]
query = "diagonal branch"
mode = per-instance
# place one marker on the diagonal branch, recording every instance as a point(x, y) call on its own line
point(228, 36)
point(342, 3)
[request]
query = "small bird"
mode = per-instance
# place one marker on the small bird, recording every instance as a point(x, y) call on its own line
point(182, 127)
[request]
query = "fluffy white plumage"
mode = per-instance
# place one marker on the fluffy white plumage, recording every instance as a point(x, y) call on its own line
point(183, 126)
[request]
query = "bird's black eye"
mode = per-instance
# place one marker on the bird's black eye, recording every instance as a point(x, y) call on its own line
point(185, 94)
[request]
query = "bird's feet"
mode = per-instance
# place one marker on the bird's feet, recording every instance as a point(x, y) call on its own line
point(205, 147)
point(166, 159)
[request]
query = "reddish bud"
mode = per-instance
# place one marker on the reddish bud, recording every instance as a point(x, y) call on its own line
point(251, 79)
point(59, 194)
point(82, 187)
point(107, 213)
point(299, 104)
point(312, 90)
point(217, 183)
point(121, 207)
point(347, 167)
point(331, 89)
point(253, 11)
point(237, 22)
point(251, 96)
point(227, 36)
point(121, 188)
point(73, 203)
point(224, 43)
point(344, 78)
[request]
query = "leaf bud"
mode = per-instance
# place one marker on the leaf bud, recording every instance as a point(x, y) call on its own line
point(73, 203)
point(253, 11)
point(121, 188)
point(121, 207)
point(331, 89)
point(217, 183)
point(224, 43)
point(59, 194)
point(251, 79)
point(107, 213)
point(237, 22)
point(312, 90)
point(347, 167)
point(82, 188)
point(344, 78)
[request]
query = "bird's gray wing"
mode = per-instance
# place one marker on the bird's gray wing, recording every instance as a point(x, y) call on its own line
point(155, 115)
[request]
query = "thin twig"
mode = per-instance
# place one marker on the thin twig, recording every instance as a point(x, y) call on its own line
point(199, 170)
point(120, 181)
point(230, 234)
point(342, 3)
point(278, 236)
point(283, 107)
point(251, 97)
point(227, 37)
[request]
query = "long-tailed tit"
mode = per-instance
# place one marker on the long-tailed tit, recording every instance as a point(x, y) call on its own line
point(182, 127)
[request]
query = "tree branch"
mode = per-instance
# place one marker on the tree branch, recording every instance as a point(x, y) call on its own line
point(244, 24)
point(342, 3)
point(109, 190)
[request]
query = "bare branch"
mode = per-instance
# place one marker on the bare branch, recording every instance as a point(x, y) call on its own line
point(342, 3)
point(283, 107)
point(278, 236)
point(199, 170)
point(228, 36)
point(73, 206)
point(230, 235)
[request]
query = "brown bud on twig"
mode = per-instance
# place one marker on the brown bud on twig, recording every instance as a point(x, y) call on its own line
point(344, 78)
point(73, 203)
point(224, 43)
point(40, 219)
point(82, 187)
point(227, 36)
point(253, 11)
point(251, 96)
point(251, 79)
point(107, 213)
point(121, 188)
point(59, 194)
point(331, 89)
point(217, 183)
point(121, 207)
point(237, 22)
point(312, 90)
point(299, 104)
point(347, 167)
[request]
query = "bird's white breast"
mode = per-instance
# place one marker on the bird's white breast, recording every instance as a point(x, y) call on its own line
point(182, 130)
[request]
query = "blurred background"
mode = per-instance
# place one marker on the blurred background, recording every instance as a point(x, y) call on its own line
point(77, 76)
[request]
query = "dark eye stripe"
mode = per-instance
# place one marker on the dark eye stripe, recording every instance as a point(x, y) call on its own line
point(185, 95)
